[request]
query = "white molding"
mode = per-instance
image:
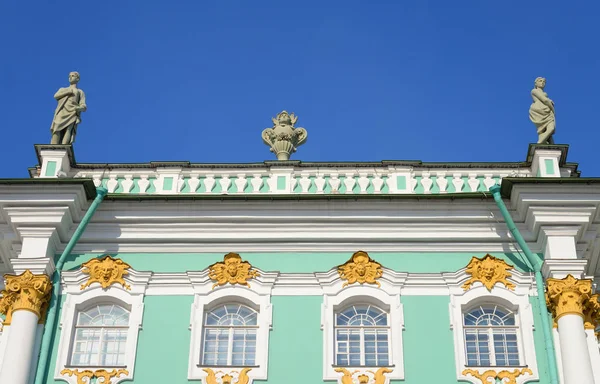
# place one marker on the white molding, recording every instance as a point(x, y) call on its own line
point(257, 296)
point(76, 300)
point(517, 301)
point(335, 297)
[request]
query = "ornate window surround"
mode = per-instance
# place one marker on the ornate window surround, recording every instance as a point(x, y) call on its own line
point(387, 297)
point(77, 299)
point(517, 301)
point(257, 297)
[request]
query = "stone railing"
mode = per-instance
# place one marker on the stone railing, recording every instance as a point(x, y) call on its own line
point(305, 181)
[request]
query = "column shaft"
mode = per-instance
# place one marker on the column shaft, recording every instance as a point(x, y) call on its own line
point(19, 350)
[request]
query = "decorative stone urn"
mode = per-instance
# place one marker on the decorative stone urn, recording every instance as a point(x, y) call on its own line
point(283, 137)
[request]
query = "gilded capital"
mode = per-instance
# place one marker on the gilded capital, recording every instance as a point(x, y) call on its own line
point(591, 312)
point(568, 296)
point(27, 292)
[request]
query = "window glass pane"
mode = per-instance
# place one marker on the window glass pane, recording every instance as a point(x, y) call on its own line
point(232, 315)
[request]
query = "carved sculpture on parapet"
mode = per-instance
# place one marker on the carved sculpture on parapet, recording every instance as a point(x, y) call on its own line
point(231, 270)
point(283, 137)
point(541, 112)
point(363, 377)
point(572, 296)
point(488, 270)
point(505, 377)
point(67, 116)
point(360, 269)
point(86, 376)
point(231, 377)
point(25, 292)
point(106, 271)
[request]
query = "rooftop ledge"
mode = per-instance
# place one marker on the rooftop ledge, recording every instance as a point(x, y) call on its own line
point(388, 177)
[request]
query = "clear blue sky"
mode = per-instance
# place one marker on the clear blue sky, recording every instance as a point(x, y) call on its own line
point(369, 80)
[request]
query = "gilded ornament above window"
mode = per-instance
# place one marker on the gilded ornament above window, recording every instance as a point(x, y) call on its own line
point(106, 271)
point(231, 270)
point(505, 377)
point(488, 270)
point(360, 269)
point(363, 377)
point(231, 377)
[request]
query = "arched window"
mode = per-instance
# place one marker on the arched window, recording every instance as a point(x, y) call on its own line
point(362, 336)
point(100, 336)
point(491, 337)
point(230, 336)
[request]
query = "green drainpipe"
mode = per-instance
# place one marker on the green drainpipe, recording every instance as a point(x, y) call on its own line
point(53, 307)
point(539, 282)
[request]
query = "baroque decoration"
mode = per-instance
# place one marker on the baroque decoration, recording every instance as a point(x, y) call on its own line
point(27, 292)
point(86, 376)
point(231, 270)
point(233, 377)
point(363, 377)
point(488, 270)
point(573, 296)
point(283, 137)
point(106, 271)
point(502, 375)
point(360, 269)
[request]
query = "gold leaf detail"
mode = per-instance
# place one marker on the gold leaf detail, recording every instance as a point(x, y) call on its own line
point(227, 378)
point(106, 271)
point(363, 378)
point(231, 270)
point(591, 312)
point(569, 296)
point(25, 291)
point(488, 270)
point(360, 269)
point(103, 374)
point(502, 375)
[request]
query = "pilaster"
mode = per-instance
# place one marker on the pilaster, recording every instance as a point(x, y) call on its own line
point(55, 160)
point(546, 159)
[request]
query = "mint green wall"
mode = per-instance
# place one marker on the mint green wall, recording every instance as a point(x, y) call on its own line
point(296, 340)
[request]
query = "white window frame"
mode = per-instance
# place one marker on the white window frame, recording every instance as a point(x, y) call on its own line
point(518, 302)
point(257, 297)
point(76, 300)
point(385, 298)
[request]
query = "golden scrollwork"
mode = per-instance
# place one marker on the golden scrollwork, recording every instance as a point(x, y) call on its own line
point(25, 292)
point(501, 375)
point(85, 376)
point(227, 377)
point(231, 270)
point(361, 377)
point(106, 271)
point(360, 269)
point(488, 270)
point(591, 312)
point(568, 296)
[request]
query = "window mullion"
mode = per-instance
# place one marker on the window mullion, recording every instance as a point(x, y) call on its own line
point(230, 346)
point(101, 342)
point(362, 346)
point(491, 346)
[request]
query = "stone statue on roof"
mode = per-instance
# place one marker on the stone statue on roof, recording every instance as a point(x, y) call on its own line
point(71, 102)
point(283, 137)
point(541, 112)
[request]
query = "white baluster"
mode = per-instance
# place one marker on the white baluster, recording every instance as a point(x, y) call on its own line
point(458, 182)
point(193, 183)
point(209, 183)
point(363, 182)
point(180, 183)
point(426, 182)
point(377, 183)
point(305, 183)
point(97, 181)
point(256, 182)
point(473, 182)
point(334, 182)
point(143, 183)
point(413, 182)
point(320, 183)
point(441, 181)
point(127, 184)
point(240, 183)
point(225, 182)
point(293, 182)
point(488, 181)
point(349, 182)
point(112, 184)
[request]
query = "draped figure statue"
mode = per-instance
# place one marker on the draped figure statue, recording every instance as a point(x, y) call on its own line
point(541, 112)
point(71, 102)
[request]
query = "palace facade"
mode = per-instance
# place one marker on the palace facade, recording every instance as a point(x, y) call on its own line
point(300, 273)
